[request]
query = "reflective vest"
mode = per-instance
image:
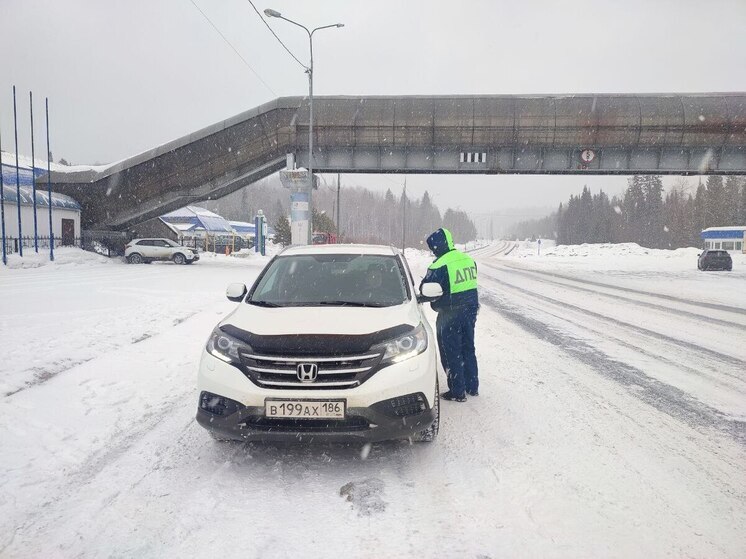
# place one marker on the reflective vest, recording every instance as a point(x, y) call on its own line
point(462, 271)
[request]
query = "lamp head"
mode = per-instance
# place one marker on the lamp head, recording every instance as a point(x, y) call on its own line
point(269, 12)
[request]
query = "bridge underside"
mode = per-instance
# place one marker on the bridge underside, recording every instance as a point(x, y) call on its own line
point(532, 161)
point(578, 134)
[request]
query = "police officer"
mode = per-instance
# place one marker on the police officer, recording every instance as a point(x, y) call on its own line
point(456, 273)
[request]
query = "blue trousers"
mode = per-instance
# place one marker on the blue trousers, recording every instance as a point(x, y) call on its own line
point(455, 331)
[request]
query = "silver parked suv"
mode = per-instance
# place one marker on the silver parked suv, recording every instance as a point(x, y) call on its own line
point(138, 251)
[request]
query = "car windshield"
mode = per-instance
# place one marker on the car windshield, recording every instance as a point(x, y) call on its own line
point(331, 280)
point(172, 243)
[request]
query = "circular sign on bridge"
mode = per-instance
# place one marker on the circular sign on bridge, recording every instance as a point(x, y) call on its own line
point(587, 155)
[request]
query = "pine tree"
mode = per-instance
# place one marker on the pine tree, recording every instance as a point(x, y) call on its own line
point(282, 231)
point(585, 216)
point(634, 210)
point(716, 202)
point(322, 222)
point(652, 211)
point(732, 200)
point(699, 221)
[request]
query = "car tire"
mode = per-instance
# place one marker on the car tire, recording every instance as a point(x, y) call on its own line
point(179, 258)
point(134, 258)
point(431, 433)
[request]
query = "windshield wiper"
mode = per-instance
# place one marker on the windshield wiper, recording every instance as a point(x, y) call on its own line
point(262, 303)
point(348, 304)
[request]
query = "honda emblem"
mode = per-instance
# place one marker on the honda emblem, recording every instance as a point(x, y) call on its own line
point(307, 372)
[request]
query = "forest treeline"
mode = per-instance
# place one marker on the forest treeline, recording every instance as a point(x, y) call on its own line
point(366, 216)
point(644, 214)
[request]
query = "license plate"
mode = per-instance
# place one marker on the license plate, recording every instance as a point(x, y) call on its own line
point(305, 409)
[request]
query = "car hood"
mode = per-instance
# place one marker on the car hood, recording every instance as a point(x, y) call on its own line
point(266, 321)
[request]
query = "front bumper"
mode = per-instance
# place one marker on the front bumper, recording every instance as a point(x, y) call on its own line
point(360, 424)
point(368, 419)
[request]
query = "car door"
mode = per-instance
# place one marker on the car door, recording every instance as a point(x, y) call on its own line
point(163, 249)
point(146, 249)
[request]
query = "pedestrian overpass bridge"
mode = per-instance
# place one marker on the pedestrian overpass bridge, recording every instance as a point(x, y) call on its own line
point(665, 134)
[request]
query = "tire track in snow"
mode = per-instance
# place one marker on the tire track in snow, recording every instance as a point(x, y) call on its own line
point(663, 397)
point(704, 304)
point(680, 312)
point(730, 360)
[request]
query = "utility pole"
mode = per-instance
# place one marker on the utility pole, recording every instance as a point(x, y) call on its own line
point(339, 231)
point(404, 216)
point(309, 70)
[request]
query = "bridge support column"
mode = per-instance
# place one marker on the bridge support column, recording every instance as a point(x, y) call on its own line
point(297, 180)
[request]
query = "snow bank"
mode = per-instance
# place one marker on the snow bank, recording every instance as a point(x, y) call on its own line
point(63, 256)
point(613, 256)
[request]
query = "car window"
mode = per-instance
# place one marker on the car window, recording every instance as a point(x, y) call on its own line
point(336, 279)
point(145, 242)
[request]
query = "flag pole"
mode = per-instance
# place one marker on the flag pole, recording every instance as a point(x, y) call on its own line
point(18, 175)
point(2, 199)
point(49, 185)
point(33, 171)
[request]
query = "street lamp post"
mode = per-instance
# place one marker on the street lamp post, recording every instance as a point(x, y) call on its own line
point(309, 70)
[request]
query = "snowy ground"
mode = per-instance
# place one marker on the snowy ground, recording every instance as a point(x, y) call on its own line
point(610, 421)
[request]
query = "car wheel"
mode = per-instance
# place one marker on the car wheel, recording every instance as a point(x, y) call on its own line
point(179, 258)
point(134, 258)
point(430, 434)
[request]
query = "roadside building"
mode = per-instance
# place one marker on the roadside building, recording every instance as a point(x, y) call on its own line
point(245, 231)
point(732, 238)
point(200, 228)
point(65, 210)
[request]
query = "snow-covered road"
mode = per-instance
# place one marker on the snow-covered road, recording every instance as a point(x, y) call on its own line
point(610, 424)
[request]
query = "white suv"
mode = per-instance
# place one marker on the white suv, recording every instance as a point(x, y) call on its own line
point(330, 344)
point(138, 251)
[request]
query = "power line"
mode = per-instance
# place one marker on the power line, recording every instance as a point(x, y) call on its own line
point(234, 48)
point(264, 21)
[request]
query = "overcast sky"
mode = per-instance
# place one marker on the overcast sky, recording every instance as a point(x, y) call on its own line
point(126, 75)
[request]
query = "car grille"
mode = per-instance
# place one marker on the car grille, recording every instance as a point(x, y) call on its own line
point(352, 423)
point(334, 372)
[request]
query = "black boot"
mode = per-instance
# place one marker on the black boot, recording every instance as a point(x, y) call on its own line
point(473, 392)
point(452, 398)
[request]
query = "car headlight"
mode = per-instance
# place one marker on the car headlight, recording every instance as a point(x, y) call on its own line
point(404, 347)
point(225, 347)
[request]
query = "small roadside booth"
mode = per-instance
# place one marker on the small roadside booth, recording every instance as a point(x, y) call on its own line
point(731, 238)
point(200, 228)
point(246, 231)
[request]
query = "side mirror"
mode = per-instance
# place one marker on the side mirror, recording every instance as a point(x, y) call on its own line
point(236, 292)
point(432, 290)
point(429, 292)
